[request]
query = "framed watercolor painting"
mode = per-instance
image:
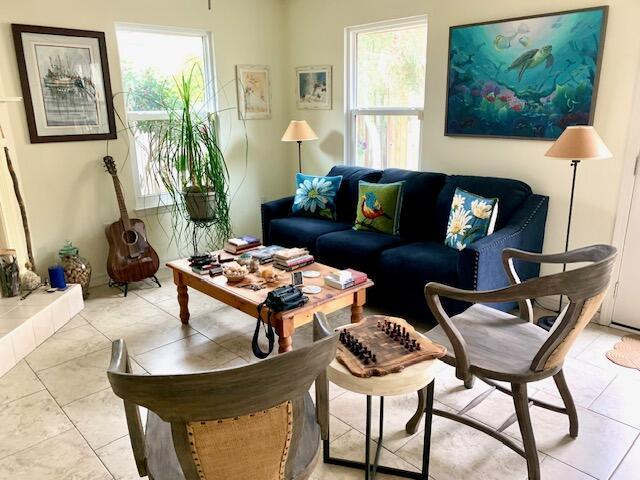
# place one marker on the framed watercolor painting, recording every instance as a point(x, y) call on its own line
point(314, 87)
point(64, 75)
point(527, 77)
point(254, 92)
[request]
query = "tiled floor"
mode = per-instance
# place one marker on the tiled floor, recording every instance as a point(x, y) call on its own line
point(60, 420)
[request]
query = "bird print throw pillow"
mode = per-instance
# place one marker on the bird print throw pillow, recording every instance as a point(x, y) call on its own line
point(471, 218)
point(379, 207)
point(316, 196)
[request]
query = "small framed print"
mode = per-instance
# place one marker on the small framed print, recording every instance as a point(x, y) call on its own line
point(64, 76)
point(254, 92)
point(314, 87)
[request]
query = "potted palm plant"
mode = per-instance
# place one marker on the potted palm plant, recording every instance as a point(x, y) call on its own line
point(189, 162)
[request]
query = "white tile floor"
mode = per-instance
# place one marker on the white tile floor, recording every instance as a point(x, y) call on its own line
point(60, 420)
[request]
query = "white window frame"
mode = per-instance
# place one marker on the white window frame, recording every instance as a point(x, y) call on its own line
point(145, 202)
point(351, 83)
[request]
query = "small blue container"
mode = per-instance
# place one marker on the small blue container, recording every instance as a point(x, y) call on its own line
point(56, 277)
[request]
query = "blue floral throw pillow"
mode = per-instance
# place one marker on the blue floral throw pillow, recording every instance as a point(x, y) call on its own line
point(471, 218)
point(316, 196)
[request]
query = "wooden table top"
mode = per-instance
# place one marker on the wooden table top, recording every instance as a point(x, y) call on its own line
point(327, 294)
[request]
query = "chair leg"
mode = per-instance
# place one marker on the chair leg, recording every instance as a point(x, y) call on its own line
point(468, 383)
point(565, 393)
point(521, 403)
point(412, 424)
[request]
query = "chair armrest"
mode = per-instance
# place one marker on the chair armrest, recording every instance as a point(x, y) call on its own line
point(480, 264)
point(271, 210)
point(120, 365)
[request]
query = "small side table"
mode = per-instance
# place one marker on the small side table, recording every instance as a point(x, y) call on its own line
point(410, 380)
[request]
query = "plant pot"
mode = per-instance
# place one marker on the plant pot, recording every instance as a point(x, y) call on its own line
point(201, 206)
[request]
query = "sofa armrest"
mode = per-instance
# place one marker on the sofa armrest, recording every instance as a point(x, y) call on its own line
point(480, 264)
point(280, 208)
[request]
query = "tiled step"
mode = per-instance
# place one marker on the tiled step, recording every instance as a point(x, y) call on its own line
point(25, 324)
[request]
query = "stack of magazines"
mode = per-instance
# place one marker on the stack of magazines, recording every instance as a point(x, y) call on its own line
point(289, 259)
point(342, 279)
point(242, 244)
point(264, 254)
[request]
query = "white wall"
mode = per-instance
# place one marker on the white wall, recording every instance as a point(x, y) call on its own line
point(316, 37)
point(67, 193)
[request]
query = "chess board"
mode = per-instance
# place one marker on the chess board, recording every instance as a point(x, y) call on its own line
point(379, 345)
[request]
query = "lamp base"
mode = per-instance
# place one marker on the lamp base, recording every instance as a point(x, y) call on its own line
point(547, 322)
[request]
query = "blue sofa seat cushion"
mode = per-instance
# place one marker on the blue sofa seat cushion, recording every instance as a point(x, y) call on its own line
point(301, 231)
point(418, 219)
point(405, 270)
point(510, 193)
point(354, 249)
point(347, 197)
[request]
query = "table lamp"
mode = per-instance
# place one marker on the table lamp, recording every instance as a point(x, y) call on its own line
point(299, 131)
point(576, 144)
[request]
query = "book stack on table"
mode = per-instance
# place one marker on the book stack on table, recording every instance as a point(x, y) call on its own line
point(242, 244)
point(290, 259)
point(342, 279)
point(264, 255)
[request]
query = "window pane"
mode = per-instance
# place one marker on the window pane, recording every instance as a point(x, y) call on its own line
point(152, 62)
point(146, 134)
point(391, 67)
point(384, 141)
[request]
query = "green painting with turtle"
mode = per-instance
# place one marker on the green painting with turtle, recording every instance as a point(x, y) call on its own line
point(527, 77)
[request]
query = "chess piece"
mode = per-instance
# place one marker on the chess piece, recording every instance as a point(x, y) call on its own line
point(374, 359)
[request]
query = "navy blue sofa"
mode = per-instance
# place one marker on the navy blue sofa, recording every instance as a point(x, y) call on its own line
point(401, 265)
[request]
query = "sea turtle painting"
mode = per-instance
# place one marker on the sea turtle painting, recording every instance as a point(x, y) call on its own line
point(532, 58)
point(528, 77)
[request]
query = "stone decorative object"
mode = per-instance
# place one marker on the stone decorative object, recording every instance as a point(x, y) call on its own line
point(77, 269)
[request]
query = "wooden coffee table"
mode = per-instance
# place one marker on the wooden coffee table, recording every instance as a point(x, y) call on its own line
point(246, 300)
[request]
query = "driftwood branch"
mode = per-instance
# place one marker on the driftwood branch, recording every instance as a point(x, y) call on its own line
point(23, 210)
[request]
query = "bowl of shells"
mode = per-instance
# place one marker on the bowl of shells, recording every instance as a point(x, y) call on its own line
point(235, 272)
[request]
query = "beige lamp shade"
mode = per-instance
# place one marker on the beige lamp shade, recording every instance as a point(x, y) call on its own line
point(299, 131)
point(579, 143)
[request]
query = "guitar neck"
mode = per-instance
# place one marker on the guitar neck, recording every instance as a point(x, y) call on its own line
point(124, 216)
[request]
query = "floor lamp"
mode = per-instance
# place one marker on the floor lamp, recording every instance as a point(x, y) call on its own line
point(299, 131)
point(576, 144)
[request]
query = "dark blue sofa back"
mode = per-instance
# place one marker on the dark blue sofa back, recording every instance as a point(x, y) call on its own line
point(427, 197)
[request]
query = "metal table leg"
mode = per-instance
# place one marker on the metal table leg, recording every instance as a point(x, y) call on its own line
point(372, 469)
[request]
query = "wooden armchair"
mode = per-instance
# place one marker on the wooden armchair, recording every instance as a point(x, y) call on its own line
point(494, 346)
point(255, 421)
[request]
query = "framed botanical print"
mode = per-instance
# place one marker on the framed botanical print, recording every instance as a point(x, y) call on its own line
point(527, 77)
point(314, 87)
point(254, 92)
point(65, 83)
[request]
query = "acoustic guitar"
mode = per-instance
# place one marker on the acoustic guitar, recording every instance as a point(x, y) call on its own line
point(131, 258)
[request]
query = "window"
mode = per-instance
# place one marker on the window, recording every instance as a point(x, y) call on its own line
point(151, 60)
point(386, 64)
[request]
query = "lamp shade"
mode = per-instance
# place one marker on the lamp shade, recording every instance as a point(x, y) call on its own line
point(579, 143)
point(299, 131)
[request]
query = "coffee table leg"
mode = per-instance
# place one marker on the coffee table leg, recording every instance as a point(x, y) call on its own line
point(285, 344)
point(359, 299)
point(183, 298)
point(284, 329)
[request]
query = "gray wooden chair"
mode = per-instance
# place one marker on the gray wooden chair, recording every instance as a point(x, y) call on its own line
point(255, 421)
point(494, 346)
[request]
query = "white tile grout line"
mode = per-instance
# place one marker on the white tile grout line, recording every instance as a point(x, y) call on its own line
point(637, 440)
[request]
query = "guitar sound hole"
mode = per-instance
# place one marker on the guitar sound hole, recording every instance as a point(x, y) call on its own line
point(130, 237)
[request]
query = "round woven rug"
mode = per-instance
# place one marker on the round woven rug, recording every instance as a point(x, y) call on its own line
point(626, 352)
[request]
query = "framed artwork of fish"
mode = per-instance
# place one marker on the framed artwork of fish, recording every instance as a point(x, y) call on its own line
point(64, 76)
point(527, 77)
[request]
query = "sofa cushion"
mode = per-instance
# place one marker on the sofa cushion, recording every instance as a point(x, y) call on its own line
point(418, 218)
point(316, 196)
point(379, 207)
point(354, 249)
point(347, 197)
point(510, 194)
point(301, 231)
point(471, 218)
point(403, 272)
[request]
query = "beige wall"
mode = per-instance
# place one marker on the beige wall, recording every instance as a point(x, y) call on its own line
point(316, 36)
point(68, 195)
